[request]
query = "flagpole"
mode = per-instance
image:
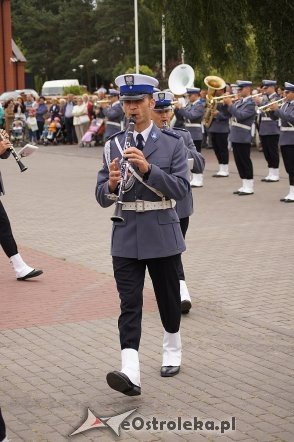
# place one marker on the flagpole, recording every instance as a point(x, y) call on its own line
point(136, 36)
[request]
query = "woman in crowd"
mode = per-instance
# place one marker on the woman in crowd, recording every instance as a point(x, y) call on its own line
point(81, 118)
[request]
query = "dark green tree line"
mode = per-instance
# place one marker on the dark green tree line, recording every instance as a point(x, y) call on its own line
point(244, 39)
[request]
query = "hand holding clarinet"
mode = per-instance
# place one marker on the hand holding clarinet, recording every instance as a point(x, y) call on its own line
point(5, 144)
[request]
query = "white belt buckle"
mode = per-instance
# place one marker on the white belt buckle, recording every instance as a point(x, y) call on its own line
point(140, 206)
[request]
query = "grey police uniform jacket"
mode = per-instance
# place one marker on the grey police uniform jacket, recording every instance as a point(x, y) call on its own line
point(154, 233)
point(286, 114)
point(184, 207)
point(115, 116)
point(193, 114)
point(266, 125)
point(220, 124)
point(3, 156)
point(243, 113)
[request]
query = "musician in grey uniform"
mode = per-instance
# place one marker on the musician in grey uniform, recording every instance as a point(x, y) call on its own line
point(193, 114)
point(149, 233)
point(243, 115)
point(7, 241)
point(161, 115)
point(114, 114)
point(269, 132)
point(286, 141)
point(219, 131)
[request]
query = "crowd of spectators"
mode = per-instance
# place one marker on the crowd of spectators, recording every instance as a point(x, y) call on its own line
point(62, 120)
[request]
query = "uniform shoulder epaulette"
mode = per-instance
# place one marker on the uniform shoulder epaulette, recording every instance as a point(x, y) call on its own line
point(114, 135)
point(169, 132)
point(180, 128)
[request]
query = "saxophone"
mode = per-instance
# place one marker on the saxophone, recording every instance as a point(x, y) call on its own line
point(210, 107)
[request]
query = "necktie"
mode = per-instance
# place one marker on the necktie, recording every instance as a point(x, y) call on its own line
point(140, 141)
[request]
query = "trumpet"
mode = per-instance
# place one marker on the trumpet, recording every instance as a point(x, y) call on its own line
point(104, 101)
point(221, 97)
point(267, 107)
point(4, 136)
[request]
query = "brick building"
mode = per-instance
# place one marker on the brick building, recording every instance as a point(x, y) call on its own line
point(12, 61)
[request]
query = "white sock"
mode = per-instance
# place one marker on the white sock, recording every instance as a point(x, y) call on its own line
point(20, 267)
point(172, 349)
point(130, 365)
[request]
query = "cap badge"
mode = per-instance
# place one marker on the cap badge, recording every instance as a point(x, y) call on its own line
point(129, 80)
point(161, 96)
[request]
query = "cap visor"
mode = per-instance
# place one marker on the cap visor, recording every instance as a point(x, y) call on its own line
point(132, 97)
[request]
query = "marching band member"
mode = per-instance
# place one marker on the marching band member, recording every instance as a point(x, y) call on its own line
point(286, 141)
point(7, 241)
point(161, 115)
point(219, 131)
point(114, 114)
point(193, 114)
point(243, 113)
point(269, 132)
point(149, 233)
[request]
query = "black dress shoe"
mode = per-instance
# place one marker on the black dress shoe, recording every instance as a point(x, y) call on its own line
point(245, 193)
point(32, 274)
point(185, 306)
point(288, 200)
point(120, 382)
point(236, 192)
point(268, 180)
point(219, 176)
point(167, 371)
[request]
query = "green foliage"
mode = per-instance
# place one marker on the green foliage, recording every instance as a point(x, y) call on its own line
point(75, 90)
point(143, 69)
point(243, 39)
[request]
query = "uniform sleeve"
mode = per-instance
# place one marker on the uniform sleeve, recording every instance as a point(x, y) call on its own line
point(286, 116)
point(243, 113)
point(5, 155)
point(173, 183)
point(199, 161)
point(113, 112)
point(193, 113)
point(223, 113)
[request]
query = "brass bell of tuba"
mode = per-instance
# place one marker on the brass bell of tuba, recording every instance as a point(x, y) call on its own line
point(181, 78)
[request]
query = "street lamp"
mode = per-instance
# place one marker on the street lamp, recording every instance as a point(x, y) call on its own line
point(94, 61)
point(74, 71)
point(81, 67)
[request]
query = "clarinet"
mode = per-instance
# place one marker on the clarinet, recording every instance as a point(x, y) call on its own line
point(4, 136)
point(124, 168)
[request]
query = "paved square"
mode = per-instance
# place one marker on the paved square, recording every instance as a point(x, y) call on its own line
point(58, 333)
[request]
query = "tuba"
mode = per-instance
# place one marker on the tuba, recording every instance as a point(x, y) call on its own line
point(213, 84)
point(181, 78)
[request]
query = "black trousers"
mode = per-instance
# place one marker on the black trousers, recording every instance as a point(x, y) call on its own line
point(7, 240)
point(270, 147)
point(70, 130)
point(288, 158)
point(129, 274)
point(243, 162)
point(220, 146)
point(184, 223)
point(2, 427)
point(198, 145)
point(40, 129)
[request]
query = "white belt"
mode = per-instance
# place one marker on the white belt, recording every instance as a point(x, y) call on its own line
point(113, 123)
point(266, 119)
point(192, 124)
point(143, 206)
point(283, 129)
point(243, 126)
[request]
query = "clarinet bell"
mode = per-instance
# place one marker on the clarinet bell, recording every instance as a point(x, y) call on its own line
point(117, 216)
point(22, 167)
